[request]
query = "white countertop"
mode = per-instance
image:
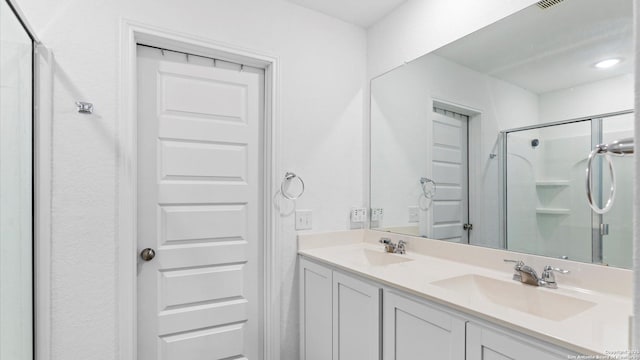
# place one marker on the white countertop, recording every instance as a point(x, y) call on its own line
point(601, 329)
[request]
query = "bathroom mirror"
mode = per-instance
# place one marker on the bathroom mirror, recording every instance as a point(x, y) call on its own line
point(485, 140)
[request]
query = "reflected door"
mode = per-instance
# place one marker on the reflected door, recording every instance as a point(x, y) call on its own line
point(16, 186)
point(450, 208)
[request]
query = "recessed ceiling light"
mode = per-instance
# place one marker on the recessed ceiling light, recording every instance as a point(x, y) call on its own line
point(605, 64)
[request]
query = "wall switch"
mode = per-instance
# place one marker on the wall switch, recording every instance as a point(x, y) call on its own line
point(358, 215)
point(414, 214)
point(377, 214)
point(303, 219)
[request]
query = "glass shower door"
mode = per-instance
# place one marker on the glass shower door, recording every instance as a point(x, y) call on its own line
point(546, 210)
point(16, 187)
point(615, 227)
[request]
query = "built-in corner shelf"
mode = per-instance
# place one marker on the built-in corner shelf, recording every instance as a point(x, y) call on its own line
point(552, 183)
point(552, 211)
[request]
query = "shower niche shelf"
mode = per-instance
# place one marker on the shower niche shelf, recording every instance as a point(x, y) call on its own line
point(543, 183)
point(552, 211)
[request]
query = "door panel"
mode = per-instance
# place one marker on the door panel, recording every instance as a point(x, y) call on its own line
point(487, 344)
point(415, 331)
point(316, 311)
point(199, 208)
point(356, 319)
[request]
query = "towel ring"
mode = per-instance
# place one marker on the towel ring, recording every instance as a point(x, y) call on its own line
point(423, 184)
point(612, 190)
point(288, 177)
point(619, 147)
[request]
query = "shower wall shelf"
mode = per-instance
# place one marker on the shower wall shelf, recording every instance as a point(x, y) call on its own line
point(553, 211)
point(552, 183)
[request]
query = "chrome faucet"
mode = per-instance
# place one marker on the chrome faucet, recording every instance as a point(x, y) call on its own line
point(390, 247)
point(527, 275)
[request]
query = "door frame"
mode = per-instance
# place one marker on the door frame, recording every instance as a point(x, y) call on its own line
point(131, 33)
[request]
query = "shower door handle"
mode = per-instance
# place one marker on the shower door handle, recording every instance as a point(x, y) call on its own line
point(604, 229)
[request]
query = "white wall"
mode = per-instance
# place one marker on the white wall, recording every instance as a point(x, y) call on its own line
point(596, 98)
point(322, 63)
point(421, 26)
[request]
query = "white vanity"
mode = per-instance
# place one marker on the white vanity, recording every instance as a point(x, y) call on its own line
point(449, 301)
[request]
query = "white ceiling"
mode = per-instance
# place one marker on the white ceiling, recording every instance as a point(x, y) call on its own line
point(360, 12)
point(544, 50)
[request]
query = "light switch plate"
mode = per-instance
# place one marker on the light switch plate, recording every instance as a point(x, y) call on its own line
point(377, 214)
point(304, 219)
point(358, 215)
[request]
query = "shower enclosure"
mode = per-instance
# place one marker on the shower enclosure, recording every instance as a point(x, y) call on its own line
point(545, 206)
point(16, 188)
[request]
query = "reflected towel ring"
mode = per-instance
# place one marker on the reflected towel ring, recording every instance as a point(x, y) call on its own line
point(423, 184)
point(612, 190)
point(620, 147)
point(288, 177)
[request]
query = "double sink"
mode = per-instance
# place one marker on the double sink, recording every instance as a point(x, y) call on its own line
point(514, 295)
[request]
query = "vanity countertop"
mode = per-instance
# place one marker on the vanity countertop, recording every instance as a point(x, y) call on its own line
point(601, 329)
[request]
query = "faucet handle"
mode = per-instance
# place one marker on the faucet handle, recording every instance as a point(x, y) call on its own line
point(549, 279)
point(385, 240)
point(519, 263)
point(551, 268)
point(401, 247)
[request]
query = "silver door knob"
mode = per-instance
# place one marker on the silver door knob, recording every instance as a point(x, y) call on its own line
point(148, 254)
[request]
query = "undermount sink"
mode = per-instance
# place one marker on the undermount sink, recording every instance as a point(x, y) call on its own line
point(367, 257)
point(525, 298)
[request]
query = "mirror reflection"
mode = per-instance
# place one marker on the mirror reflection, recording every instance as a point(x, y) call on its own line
point(485, 141)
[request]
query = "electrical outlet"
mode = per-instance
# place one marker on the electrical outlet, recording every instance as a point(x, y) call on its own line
point(303, 219)
point(377, 214)
point(358, 215)
point(414, 214)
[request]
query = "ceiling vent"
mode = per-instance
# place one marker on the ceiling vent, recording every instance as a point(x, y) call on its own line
point(545, 4)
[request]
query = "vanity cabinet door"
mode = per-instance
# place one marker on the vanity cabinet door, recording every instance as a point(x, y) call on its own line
point(416, 331)
point(356, 319)
point(487, 344)
point(315, 311)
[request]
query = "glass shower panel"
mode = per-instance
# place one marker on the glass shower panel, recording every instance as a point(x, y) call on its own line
point(617, 241)
point(546, 210)
point(16, 164)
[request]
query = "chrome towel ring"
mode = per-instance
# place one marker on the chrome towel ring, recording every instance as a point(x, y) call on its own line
point(612, 190)
point(428, 193)
point(289, 176)
point(619, 148)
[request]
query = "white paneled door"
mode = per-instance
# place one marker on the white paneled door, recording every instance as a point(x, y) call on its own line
point(199, 209)
point(450, 167)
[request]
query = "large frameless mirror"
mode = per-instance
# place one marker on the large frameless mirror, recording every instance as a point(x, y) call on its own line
point(485, 141)
point(16, 188)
